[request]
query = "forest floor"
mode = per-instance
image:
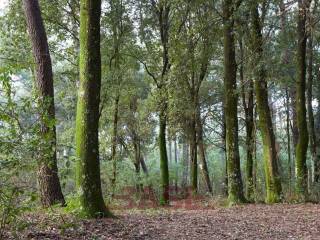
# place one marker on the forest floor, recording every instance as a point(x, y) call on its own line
point(254, 221)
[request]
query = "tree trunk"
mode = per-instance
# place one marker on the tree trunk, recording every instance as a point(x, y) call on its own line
point(137, 162)
point(164, 169)
point(114, 144)
point(317, 133)
point(248, 105)
point(224, 146)
point(185, 164)
point(87, 120)
point(235, 191)
point(176, 164)
point(203, 166)
point(193, 155)
point(273, 182)
point(302, 145)
point(49, 184)
point(144, 165)
point(288, 140)
point(313, 148)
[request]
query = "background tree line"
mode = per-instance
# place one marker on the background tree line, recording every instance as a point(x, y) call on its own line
point(216, 97)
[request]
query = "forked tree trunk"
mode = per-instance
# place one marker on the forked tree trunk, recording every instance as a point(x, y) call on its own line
point(49, 184)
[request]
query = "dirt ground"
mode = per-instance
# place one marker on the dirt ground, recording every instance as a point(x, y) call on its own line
point(281, 221)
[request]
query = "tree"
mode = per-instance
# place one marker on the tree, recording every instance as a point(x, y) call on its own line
point(235, 191)
point(247, 96)
point(87, 120)
point(273, 181)
point(303, 138)
point(49, 184)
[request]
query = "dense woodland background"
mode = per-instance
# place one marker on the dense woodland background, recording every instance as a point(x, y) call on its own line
point(211, 98)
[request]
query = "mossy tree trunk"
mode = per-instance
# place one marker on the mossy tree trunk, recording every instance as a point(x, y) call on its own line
point(87, 119)
point(273, 181)
point(164, 168)
point(162, 11)
point(235, 191)
point(302, 144)
point(248, 105)
point(49, 184)
point(224, 149)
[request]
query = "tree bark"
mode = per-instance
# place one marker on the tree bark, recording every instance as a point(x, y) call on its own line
point(49, 184)
point(235, 191)
point(273, 182)
point(87, 119)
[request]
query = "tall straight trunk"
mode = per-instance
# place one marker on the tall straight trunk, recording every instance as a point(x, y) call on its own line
point(49, 184)
point(137, 162)
point(294, 125)
point(254, 151)
point(193, 155)
point(224, 147)
point(176, 164)
point(87, 119)
point(235, 191)
point(164, 169)
point(317, 133)
point(202, 152)
point(288, 140)
point(303, 139)
point(162, 11)
point(185, 163)
point(313, 148)
point(144, 165)
point(273, 182)
point(114, 143)
point(248, 105)
point(286, 60)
